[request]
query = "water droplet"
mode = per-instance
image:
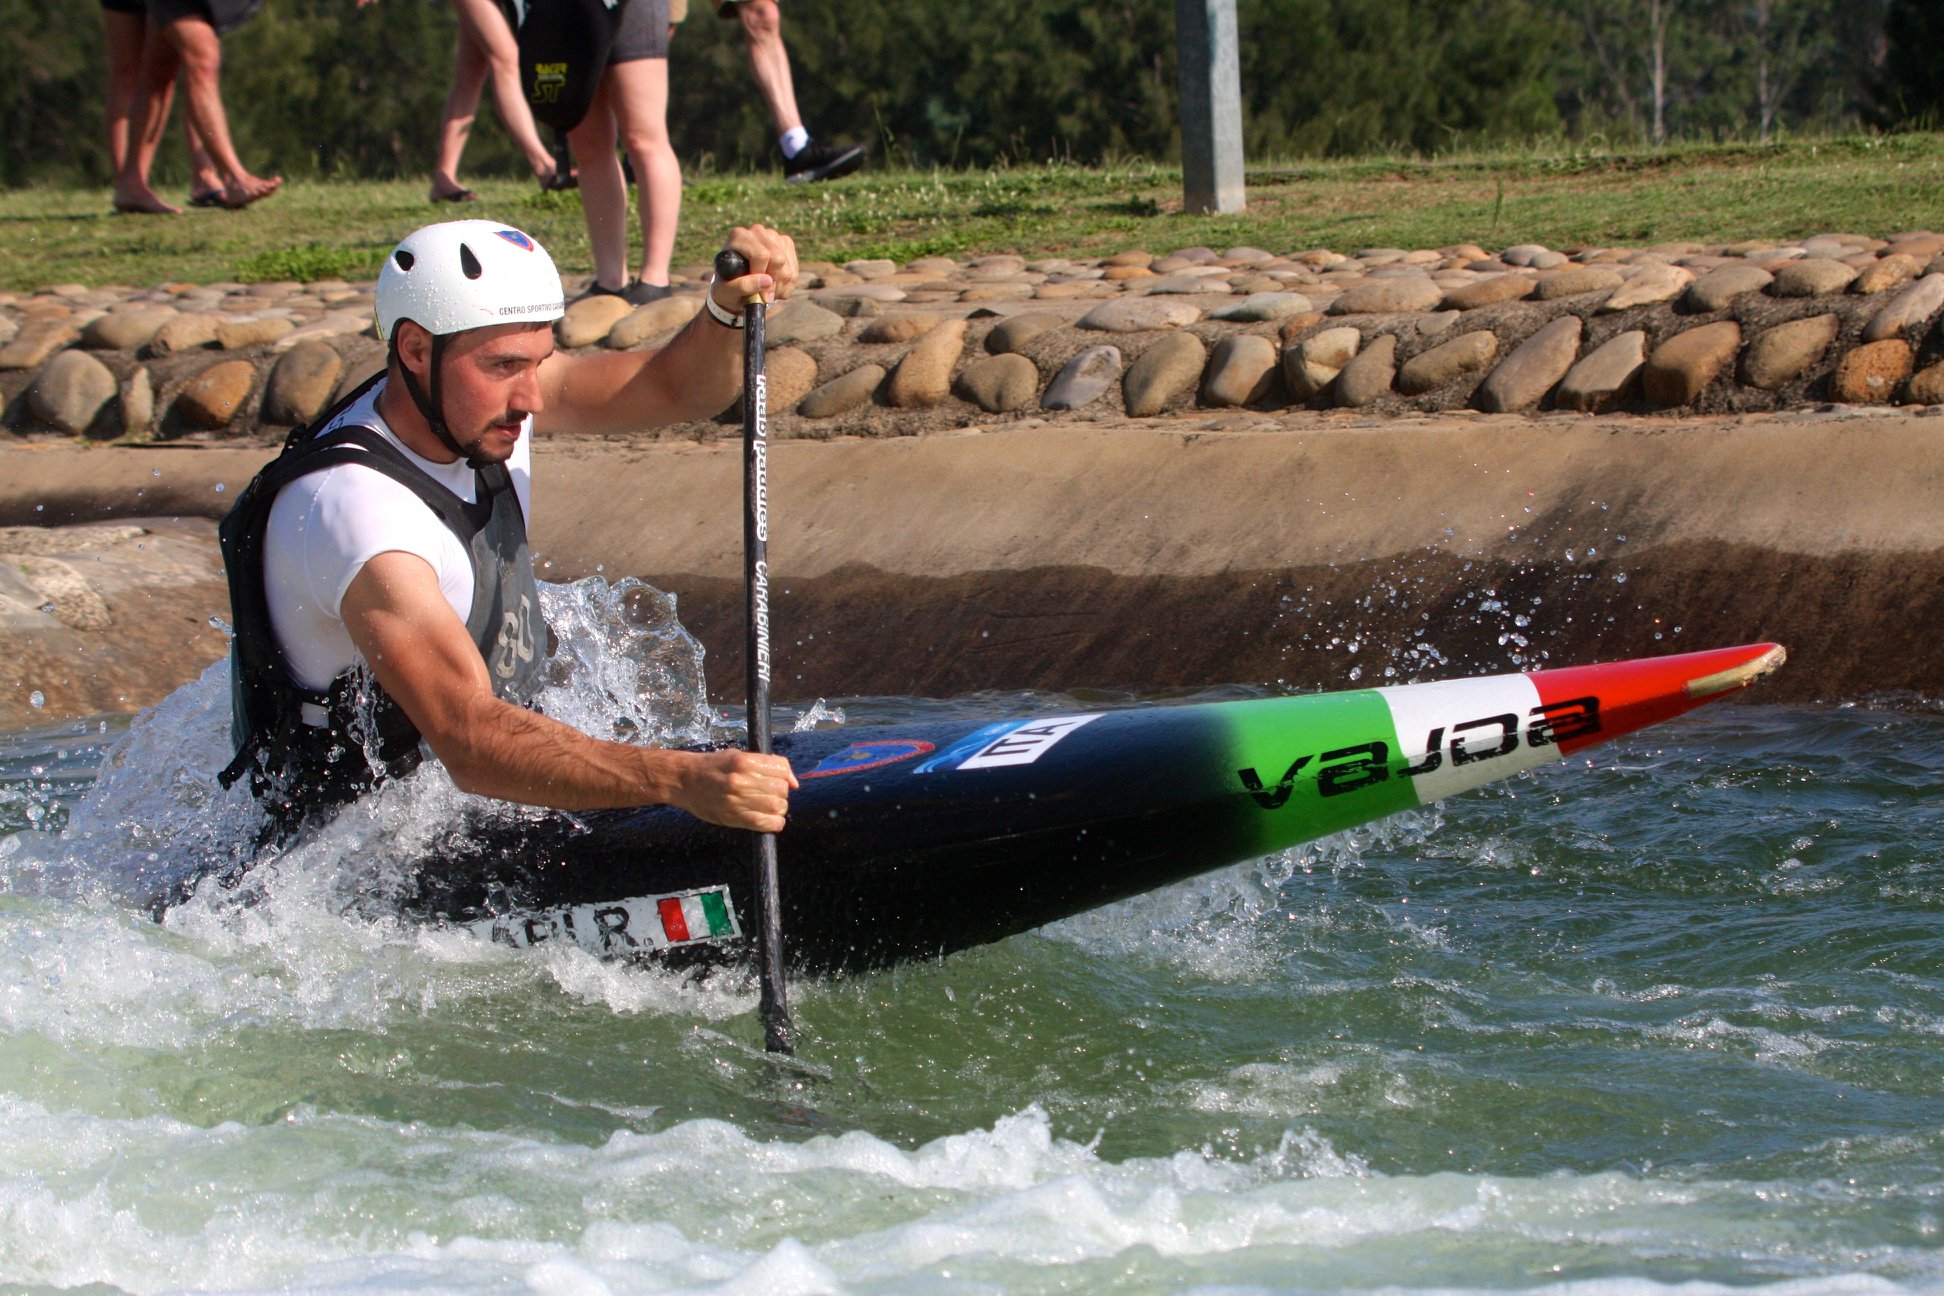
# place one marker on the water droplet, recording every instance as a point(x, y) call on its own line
point(37, 699)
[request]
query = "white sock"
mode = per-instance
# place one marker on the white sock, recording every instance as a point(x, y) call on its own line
point(793, 141)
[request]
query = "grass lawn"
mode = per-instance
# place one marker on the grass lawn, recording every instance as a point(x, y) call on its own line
point(331, 230)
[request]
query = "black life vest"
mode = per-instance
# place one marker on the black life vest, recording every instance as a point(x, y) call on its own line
point(307, 751)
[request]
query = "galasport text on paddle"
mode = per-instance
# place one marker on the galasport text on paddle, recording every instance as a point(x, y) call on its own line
point(779, 1034)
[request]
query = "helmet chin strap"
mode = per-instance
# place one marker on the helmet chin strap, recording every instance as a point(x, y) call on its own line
point(429, 404)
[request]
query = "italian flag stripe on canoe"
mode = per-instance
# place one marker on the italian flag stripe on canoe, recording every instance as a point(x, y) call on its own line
point(694, 917)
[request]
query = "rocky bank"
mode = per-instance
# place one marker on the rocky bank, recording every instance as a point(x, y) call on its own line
point(1310, 469)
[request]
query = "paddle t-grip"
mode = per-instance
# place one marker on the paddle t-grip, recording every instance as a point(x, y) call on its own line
point(731, 264)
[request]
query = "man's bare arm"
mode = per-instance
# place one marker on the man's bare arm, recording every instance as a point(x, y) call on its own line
point(696, 376)
point(420, 651)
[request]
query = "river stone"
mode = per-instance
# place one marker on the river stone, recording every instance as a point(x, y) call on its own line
point(1139, 315)
point(999, 265)
point(1369, 373)
point(1604, 374)
point(1297, 325)
point(588, 320)
point(1885, 273)
point(1464, 354)
point(301, 384)
point(126, 330)
point(1312, 365)
point(1131, 257)
point(1162, 372)
point(210, 399)
point(1014, 332)
point(37, 340)
point(1909, 308)
point(1263, 306)
point(872, 269)
point(653, 320)
point(186, 332)
point(1393, 296)
point(898, 328)
point(1650, 287)
point(1714, 290)
point(837, 298)
point(1242, 371)
point(802, 321)
point(789, 374)
point(1871, 374)
point(1576, 281)
point(137, 403)
point(71, 391)
point(1186, 286)
point(8, 330)
point(1926, 387)
point(1778, 356)
point(239, 335)
point(1503, 287)
point(337, 323)
point(843, 394)
point(1682, 367)
point(1084, 380)
point(924, 377)
point(999, 384)
point(1533, 369)
point(1812, 277)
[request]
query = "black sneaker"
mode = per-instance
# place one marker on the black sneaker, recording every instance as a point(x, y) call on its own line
point(635, 292)
point(823, 162)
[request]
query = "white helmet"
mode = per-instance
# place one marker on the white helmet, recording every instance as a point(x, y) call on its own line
point(467, 274)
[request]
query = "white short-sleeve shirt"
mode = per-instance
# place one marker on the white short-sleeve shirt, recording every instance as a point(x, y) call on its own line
point(324, 527)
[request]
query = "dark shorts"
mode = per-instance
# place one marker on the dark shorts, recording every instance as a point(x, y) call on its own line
point(136, 7)
point(640, 31)
point(224, 15)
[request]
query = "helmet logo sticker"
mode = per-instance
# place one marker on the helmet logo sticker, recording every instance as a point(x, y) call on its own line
point(516, 238)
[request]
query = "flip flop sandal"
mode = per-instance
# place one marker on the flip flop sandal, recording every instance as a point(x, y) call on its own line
point(457, 196)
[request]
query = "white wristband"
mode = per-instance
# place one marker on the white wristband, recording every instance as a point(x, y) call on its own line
point(720, 315)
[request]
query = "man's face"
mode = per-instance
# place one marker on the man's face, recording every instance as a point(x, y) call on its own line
point(490, 383)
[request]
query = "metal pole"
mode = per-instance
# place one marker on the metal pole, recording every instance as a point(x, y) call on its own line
point(1211, 106)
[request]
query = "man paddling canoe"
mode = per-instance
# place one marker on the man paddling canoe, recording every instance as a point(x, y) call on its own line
point(380, 580)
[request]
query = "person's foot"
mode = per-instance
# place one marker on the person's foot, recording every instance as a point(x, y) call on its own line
point(206, 198)
point(634, 292)
point(461, 195)
point(140, 200)
point(816, 161)
point(247, 189)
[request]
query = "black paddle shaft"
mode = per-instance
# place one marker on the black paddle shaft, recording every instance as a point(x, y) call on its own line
point(779, 1033)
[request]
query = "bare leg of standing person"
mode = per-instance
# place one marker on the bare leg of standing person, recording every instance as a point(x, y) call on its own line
point(638, 98)
point(455, 123)
point(138, 109)
point(487, 49)
point(769, 62)
point(199, 53)
point(604, 193)
point(128, 32)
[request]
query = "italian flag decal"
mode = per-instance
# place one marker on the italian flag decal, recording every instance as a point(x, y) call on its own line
point(700, 916)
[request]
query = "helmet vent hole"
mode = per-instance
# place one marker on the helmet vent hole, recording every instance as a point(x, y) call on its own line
point(404, 259)
point(470, 263)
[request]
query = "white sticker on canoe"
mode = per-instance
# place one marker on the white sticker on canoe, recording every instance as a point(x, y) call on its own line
point(620, 928)
point(1025, 744)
